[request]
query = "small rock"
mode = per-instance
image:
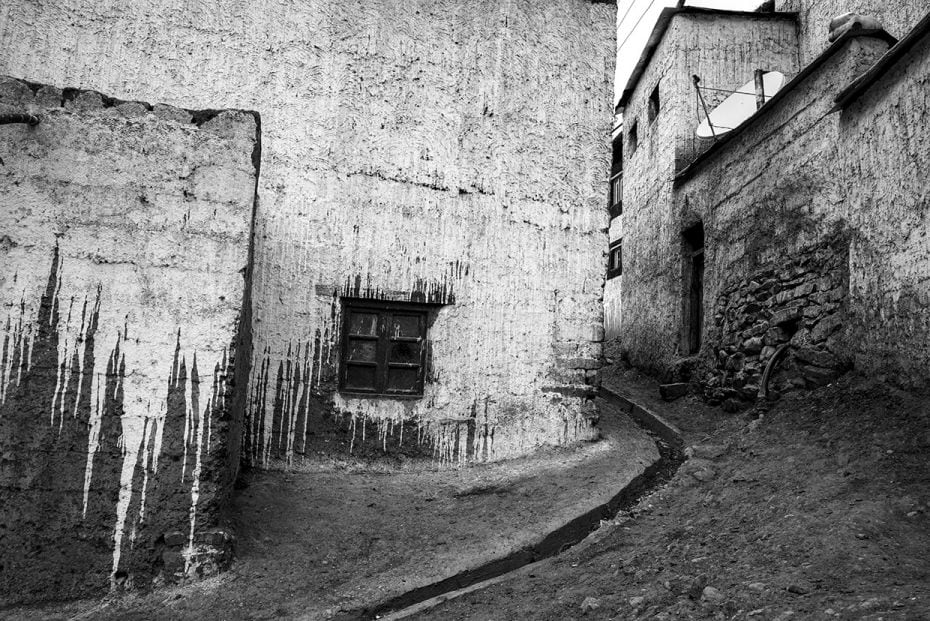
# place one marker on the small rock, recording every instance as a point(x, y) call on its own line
point(704, 474)
point(696, 587)
point(589, 604)
point(785, 315)
point(756, 587)
point(670, 392)
point(707, 451)
point(731, 406)
point(753, 345)
point(711, 594)
point(798, 589)
point(637, 601)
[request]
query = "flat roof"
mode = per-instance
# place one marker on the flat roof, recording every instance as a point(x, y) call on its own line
point(662, 24)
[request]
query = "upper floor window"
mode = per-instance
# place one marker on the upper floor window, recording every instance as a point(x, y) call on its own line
point(383, 348)
point(615, 260)
point(633, 137)
point(653, 106)
point(616, 195)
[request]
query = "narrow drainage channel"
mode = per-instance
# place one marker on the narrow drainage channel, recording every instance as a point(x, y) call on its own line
point(671, 456)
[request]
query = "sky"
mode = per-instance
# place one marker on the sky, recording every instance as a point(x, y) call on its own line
point(636, 19)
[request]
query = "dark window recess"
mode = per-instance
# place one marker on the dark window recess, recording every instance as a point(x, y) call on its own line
point(383, 348)
point(615, 198)
point(616, 195)
point(615, 260)
point(693, 272)
point(634, 138)
point(653, 107)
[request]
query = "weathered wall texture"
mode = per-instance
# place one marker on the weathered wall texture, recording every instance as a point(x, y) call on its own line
point(408, 154)
point(724, 51)
point(799, 250)
point(896, 16)
point(886, 141)
point(612, 288)
point(124, 236)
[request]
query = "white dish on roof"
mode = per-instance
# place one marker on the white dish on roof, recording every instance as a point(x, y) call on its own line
point(739, 106)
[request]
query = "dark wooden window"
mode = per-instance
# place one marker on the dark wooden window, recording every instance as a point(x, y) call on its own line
point(634, 138)
point(616, 195)
point(383, 348)
point(615, 260)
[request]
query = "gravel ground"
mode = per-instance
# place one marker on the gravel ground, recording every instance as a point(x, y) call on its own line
point(815, 507)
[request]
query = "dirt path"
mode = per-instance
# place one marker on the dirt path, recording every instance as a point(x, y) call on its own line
point(820, 509)
point(324, 541)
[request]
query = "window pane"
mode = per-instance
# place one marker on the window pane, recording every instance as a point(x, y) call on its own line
point(405, 352)
point(365, 351)
point(403, 380)
point(363, 323)
point(360, 378)
point(406, 325)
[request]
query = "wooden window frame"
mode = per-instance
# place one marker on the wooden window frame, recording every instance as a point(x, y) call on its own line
point(616, 195)
point(612, 271)
point(384, 342)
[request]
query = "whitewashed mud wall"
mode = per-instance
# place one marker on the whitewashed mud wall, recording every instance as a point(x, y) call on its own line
point(124, 237)
point(444, 150)
point(817, 229)
point(884, 138)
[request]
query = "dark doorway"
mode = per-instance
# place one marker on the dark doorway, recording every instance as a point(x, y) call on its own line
point(693, 272)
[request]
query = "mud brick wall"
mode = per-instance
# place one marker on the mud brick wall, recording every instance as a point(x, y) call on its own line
point(793, 202)
point(886, 134)
point(724, 51)
point(896, 16)
point(408, 153)
point(124, 240)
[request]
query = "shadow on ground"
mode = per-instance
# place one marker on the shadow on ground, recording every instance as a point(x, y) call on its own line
point(326, 540)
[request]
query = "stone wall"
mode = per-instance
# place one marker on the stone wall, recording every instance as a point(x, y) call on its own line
point(799, 251)
point(124, 242)
point(408, 152)
point(725, 51)
point(896, 16)
point(800, 303)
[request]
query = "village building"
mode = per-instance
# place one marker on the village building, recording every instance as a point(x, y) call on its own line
point(786, 247)
point(263, 234)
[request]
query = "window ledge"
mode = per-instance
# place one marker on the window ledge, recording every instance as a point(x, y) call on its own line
point(380, 396)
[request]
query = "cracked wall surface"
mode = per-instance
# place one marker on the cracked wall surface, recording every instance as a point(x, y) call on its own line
point(407, 153)
point(124, 236)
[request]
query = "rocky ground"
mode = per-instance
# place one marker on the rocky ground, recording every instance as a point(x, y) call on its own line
point(814, 507)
